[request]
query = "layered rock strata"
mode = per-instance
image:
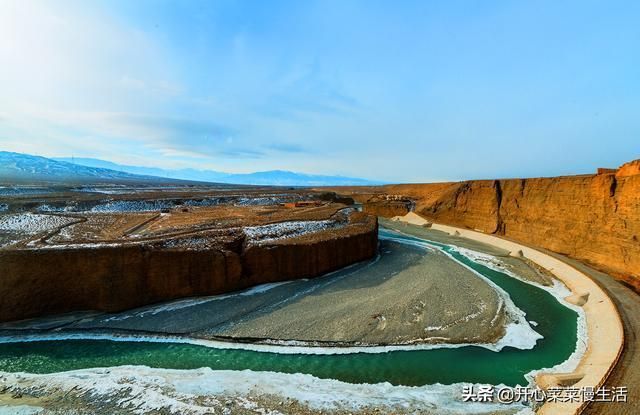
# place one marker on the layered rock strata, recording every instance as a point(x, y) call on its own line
point(593, 218)
point(117, 276)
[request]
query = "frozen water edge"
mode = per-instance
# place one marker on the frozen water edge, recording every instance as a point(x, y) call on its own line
point(560, 292)
point(149, 389)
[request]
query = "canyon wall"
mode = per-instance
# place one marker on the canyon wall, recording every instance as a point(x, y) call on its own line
point(50, 281)
point(594, 218)
point(291, 260)
point(44, 281)
point(386, 208)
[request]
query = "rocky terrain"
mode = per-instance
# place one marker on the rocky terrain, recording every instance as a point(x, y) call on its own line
point(594, 218)
point(135, 251)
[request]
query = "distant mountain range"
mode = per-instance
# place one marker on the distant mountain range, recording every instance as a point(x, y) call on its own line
point(265, 178)
point(25, 167)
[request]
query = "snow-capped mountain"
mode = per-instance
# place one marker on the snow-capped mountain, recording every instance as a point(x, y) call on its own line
point(17, 166)
point(264, 178)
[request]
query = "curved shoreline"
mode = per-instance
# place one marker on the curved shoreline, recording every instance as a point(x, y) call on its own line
point(518, 333)
point(604, 327)
point(413, 347)
point(516, 329)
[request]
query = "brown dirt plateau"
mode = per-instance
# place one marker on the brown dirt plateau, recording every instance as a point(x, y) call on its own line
point(116, 261)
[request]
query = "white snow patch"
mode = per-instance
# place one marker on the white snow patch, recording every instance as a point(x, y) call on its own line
point(48, 208)
point(19, 190)
point(106, 190)
point(92, 245)
point(32, 223)
point(133, 206)
point(20, 410)
point(263, 288)
point(290, 229)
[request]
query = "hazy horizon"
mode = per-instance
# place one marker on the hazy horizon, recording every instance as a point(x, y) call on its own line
point(410, 92)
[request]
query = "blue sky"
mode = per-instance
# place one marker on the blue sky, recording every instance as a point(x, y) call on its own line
point(394, 91)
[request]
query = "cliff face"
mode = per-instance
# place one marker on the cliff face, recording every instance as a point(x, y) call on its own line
point(386, 208)
point(285, 261)
point(594, 218)
point(51, 281)
point(37, 282)
point(629, 169)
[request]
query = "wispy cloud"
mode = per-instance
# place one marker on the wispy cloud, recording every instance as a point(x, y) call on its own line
point(154, 87)
point(243, 153)
point(152, 127)
point(75, 80)
point(305, 90)
point(287, 148)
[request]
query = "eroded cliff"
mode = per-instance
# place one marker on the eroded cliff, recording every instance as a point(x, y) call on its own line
point(594, 218)
point(117, 276)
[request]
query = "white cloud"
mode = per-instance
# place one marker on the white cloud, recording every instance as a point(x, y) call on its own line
point(54, 54)
point(74, 79)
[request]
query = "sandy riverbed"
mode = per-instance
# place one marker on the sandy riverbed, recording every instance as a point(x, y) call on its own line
point(407, 295)
point(410, 295)
point(522, 267)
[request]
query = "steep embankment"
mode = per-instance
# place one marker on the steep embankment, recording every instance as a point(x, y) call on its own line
point(114, 277)
point(594, 218)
